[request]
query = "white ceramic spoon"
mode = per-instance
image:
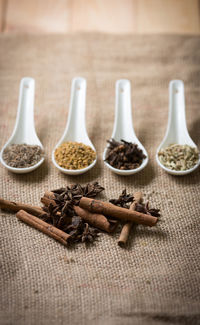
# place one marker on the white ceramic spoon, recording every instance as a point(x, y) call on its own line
point(24, 130)
point(75, 130)
point(176, 129)
point(123, 127)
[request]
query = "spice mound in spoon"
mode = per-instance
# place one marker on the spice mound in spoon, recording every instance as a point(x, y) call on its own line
point(179, 157)
point(22, 155)
point(124, 155)
point(74, 155)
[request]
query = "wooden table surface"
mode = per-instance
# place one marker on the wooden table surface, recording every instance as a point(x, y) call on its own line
point(112, 16)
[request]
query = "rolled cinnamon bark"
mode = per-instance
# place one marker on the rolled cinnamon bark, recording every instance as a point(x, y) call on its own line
point(108, 209)
point(49, 195)
point(43, 226)
point(47, 201)
point(127, 226)
point(16, 206)
point(96, 220)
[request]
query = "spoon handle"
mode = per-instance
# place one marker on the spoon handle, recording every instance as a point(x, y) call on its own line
point(123, 126)
point(177, 129)
point(76, 128)
point(24, 126)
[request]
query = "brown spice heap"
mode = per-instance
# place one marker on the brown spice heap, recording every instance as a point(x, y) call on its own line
point(124, 155)
point(63, 216)
point(22, 155)
point(74, 155)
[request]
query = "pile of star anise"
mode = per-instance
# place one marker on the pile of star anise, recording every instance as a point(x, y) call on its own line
point(63, 216)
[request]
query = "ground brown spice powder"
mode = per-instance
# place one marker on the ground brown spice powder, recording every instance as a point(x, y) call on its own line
point(74, 155)
point(22, 155)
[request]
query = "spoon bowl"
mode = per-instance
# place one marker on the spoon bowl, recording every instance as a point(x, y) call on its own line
point(75, 130)
point(177, 132)
point(123, 126)
point(24, 130)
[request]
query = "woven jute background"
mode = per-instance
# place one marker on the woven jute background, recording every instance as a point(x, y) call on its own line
point(156, 279)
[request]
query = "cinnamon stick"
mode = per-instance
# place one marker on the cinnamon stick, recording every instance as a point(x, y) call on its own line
point(123, 238)
point(47, 201)
point(43, 226)
point(16, 206)
point(96, 220)
point(49, 195)
point(108, 209)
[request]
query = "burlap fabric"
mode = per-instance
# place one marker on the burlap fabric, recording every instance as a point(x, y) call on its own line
point(156, 279)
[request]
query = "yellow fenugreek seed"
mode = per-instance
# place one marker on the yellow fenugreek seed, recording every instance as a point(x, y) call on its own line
point(74, 155)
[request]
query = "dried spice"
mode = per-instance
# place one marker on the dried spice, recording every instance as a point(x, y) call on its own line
point(22, 155)
point(74, 155)
point(134, 203)
point(124, 155)
point(81, 231)
point(126, 229)
point(179, 157)
point(72, 215)
point(144, 208)
point(119, 213)
point(125, 200)
point(43, 226)
point(63, 216)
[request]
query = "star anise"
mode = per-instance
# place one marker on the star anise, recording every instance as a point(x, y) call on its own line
point(123, 200)
point(63, 216)
point(80, 231)
point(144, 208)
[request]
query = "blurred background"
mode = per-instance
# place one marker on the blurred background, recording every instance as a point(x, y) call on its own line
point(110, 16)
